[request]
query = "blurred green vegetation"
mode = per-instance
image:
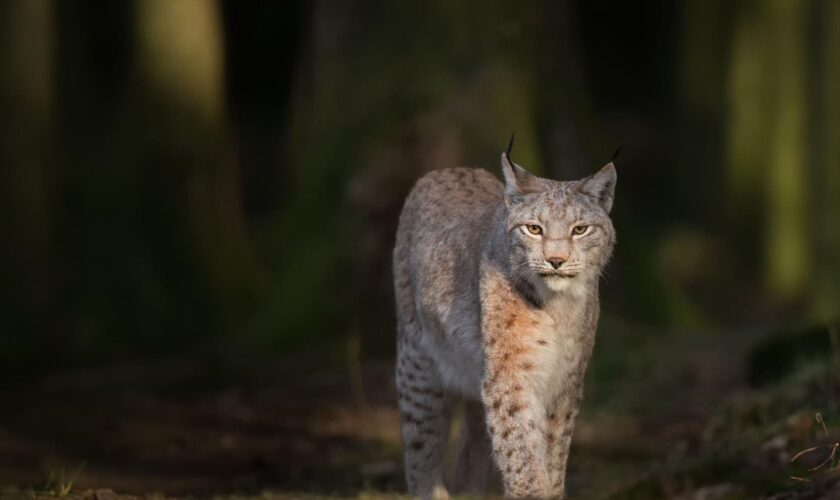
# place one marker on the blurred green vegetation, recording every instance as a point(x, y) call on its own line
point(226, 176)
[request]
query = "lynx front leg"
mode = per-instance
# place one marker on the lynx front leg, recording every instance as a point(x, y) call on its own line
point(562, 415)
point(561, 423)
point(425, 411)
point(516, 416)
point(517, 430)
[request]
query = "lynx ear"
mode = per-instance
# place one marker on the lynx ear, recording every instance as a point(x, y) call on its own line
point(517, 180)
point(601, 186)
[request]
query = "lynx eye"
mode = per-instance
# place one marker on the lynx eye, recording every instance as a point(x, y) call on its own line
point(578, 230)
point(533, 229)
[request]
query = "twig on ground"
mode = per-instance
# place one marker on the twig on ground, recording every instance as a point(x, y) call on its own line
point(829, 460)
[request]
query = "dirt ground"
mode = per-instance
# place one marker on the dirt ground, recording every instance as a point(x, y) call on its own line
point(144, 429)
point(160, 431)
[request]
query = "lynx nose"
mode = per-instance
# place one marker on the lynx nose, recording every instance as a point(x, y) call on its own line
point(555, 262)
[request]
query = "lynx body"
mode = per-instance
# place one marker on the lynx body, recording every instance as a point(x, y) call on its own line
point(497, 304)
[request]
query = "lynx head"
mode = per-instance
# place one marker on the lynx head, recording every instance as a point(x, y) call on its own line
point(560, 233)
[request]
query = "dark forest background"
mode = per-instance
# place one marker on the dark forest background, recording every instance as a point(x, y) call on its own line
point(220, 181)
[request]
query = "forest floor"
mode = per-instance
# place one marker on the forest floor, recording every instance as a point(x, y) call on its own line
point(677, 426)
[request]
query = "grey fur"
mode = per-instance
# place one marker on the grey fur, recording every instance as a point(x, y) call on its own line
point(485, 318)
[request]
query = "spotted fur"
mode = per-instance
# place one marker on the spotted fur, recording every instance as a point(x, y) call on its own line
point(484, 317)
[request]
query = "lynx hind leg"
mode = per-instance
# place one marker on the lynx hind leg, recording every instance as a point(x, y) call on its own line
point(474, 469)
point(425, 411)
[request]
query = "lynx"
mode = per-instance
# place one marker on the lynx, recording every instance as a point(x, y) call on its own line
point(497, 304)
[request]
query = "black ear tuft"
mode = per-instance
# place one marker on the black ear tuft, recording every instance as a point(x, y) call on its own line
point(510, 144)
point(517, 179)
point(618, 151)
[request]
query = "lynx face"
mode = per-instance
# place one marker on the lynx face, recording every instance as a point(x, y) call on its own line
point(560, 233)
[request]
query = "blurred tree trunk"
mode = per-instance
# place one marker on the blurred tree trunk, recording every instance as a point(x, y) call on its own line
point(750, 108)
point(26, 56)
point(826, 181)
point(703, 58)
point(181, 64)
point(787, 237)
point(263, 42)
point(767, 138)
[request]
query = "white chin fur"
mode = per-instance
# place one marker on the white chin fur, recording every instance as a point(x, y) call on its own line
point(561, 284)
